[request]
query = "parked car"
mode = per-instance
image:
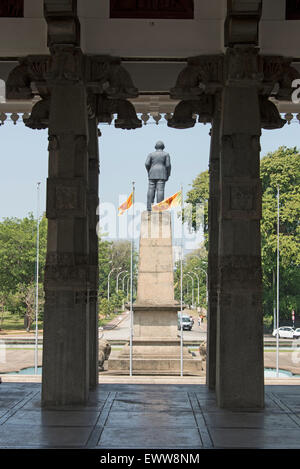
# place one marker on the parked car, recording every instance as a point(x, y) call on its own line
point(284, 332)
point(187, 324)
point(296, 334)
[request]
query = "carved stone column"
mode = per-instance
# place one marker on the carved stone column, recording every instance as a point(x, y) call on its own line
point(213, 245)
point(239, 360)
point(66, 318)
point(93, 203)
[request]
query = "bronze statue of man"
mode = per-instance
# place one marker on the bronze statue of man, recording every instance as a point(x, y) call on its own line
point(158, 166)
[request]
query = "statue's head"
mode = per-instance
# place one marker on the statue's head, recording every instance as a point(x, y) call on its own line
point(159, 145)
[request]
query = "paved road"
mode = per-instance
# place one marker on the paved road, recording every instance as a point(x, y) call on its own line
point(121, 332)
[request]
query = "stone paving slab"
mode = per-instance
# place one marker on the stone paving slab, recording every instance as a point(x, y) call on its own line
point(161, 416)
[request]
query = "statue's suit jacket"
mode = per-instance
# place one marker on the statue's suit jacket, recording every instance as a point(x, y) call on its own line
point(158, 165)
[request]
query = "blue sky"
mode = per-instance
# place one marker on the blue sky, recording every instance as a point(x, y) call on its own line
point(24, 161)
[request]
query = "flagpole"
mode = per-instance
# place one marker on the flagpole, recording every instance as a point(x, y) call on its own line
point(131, 283)
point(181, 285)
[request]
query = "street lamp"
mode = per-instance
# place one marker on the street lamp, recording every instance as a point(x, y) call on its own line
point(203, 270)
point(108, 279)
point(198, 281)
point(117, 287)
point(192, 288)
point(123, 284)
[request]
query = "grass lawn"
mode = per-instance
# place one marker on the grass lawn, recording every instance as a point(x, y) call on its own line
point(14, 324)
point(105, 320)
point(10, 323)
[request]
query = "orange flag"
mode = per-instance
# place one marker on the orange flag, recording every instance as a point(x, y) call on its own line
point(173, 201)
point(126, 205)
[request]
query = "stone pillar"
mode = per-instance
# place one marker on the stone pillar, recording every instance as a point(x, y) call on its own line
point(239, 364)
point(213, 247)
point(66, 317)
point(93, 203)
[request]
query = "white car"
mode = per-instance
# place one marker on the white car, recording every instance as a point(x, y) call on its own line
point(285, 332)
point(296, 333)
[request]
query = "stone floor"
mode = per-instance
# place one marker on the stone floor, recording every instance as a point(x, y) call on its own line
point(167, 416)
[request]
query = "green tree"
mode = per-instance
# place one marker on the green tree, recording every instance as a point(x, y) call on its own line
point(281, 169)
point(114, 256)
point(196, 261)
point(278, 169)
point(18, 252)
point(196, 214)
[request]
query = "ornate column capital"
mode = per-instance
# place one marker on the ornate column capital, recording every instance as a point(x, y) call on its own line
point(242, 65)
point(203, 74)
point(103, 76)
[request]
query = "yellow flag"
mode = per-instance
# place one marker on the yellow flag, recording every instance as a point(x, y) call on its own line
point(170, 202)
point(126, 205)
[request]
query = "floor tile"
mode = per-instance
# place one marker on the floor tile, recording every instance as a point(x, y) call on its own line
point(255, 438)
point(248, 420)
point(150, 438)
point(54, 418)
point(42, 436)
point(169, 418)
point(136, 402)
point(179, 400)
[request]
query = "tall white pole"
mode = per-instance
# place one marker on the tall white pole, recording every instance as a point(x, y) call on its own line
point(181, 288)
point(277, 319)
point(37, 281)
point(131, 284)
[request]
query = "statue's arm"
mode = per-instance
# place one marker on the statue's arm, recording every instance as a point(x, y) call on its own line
point(168, 165)
point(148, 163)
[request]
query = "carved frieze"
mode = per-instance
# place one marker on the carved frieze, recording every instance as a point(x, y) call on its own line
point(75, 274)
point(126, 114)
point(241, 198)
point(66, 197)
point(108, 84)
point(66, 63)
point(278, 73)
point(81, 296)
point(269, 114)
point(39, 117)
point(203, 74)
point(243, 64)
point(107, 76)
point(243, 270)
point(186, 111)
point(66, 258)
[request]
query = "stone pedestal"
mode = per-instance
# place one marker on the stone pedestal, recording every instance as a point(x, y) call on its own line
point(156, 346)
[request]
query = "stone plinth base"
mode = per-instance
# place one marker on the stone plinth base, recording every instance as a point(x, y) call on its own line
point(153, 321)
point(159, 356)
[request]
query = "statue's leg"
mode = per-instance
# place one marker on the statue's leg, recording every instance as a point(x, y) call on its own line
point(151, 193)
point(160, 190)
